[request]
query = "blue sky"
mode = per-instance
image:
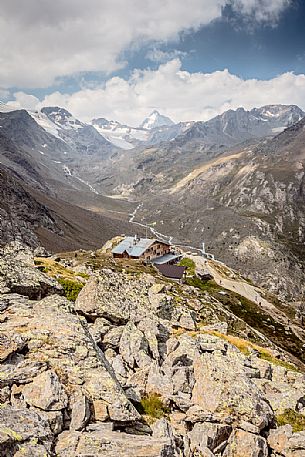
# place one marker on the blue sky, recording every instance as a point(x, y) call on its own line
point(262, 51)
point(97, 57)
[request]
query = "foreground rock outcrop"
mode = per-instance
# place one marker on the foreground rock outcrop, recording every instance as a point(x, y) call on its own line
point(138, 366)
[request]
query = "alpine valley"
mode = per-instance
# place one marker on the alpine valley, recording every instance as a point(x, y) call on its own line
point(102, 355)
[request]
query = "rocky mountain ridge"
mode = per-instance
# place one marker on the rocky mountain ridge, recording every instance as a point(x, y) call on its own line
point(174, 156)
point(138, 365)
point(254, 191)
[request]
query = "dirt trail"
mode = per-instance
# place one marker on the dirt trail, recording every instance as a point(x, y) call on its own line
point(239, 286)
point(201, 169)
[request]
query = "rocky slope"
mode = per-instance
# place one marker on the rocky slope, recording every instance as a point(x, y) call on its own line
point(138, 365)
point(31, 216)
point(41, 198)
point(20, 213)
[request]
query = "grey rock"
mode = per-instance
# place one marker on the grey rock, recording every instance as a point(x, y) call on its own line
point(112, 337)
point(209, 435)
point(46, 392)
point(242, 444)
point(112, 444)
point(18, 274)
point(278, 439)
point(134, 347)
point(222, 384)
point(80, 414)
point(20, 370)
point(22, 424)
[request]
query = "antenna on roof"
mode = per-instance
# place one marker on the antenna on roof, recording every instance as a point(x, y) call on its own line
point(136, 239)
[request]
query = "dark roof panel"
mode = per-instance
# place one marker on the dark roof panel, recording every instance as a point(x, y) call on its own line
point(171, 271)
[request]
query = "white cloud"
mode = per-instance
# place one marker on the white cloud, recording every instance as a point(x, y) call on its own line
point(25, 101)
point(261, 10)
point(43, 40)
point(157, 55)
point(178, 94)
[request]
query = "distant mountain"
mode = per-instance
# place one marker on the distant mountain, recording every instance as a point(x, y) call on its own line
point(79, 136)
point(202, 141)
point(30, 151)
point(55, 165)
point(233, 127)
point(121, 135)
point(41, 194)
point(155, 120)
point(126, 137)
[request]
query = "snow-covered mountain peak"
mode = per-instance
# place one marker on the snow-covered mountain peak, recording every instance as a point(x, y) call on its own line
point(154, 120)
point(121, 135)
point(291, 113)
point(62, 118)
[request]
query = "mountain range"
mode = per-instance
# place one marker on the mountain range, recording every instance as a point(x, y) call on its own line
point(234, 182)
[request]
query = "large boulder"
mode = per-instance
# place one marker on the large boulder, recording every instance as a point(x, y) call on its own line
point(209, 435)
point(20, 370)
point(18, 275)
point(242, 444)
point(119, 298)
point(46, 392)
point(106, 443)
point(224, 389)
point(18, 425)
point(134, 347)
point(284, 389)
point(283, 441)
point(80, 414)
point(61, 339)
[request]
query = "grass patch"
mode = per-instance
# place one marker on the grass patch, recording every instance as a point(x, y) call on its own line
point(82, 275)
point(65, 276)
point(153, 406)
point(189, 264)
point(209, 286)
point(71, 288)
point(54, 269)
point(293, 418)
point(245, 346)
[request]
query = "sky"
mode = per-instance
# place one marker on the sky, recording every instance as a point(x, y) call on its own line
point(122, 59)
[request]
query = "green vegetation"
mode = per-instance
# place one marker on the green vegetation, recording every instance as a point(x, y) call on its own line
point(14, 435)
point(289, 416)
point(260, 320)
point(153, 406)
point(82, 275)
point(71, 288)
point(245, 346)
point(65, 276)
point(189, 264)
point(253, 315)
point(206, 286)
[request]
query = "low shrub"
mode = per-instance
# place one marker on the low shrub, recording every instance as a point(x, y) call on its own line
point(153, 406)
point(189, 264)
point(295, 419)
point(71, 288)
